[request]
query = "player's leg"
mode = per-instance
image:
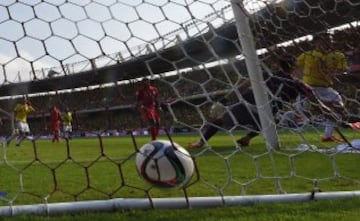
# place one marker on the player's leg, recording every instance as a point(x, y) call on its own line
point(330, 128)
point(148, 118)
point(154, 119)
point(56, 135)
point(15, 133)
point(157, 122)
point(57, 131)
point(24, 131)
point(332, 99)
point(248, 120)
point(69, 132)
point(245, 140)
point(12, 136)
point(355, 125)
point(154, 129)
point(286, 118)
point(242, 115)
point(208, 131)
point(53, 131)
point(64, 132)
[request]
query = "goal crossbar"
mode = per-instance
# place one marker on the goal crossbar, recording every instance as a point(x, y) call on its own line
point(169, 203)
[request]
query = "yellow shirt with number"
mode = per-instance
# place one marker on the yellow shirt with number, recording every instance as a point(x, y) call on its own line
point(22, 111)
point(312, 64)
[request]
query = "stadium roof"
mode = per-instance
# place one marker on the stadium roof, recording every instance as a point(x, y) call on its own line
point(271, 23)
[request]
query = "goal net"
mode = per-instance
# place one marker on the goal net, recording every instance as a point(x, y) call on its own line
point(229, 93)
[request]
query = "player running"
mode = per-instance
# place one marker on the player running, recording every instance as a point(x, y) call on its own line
point(22, 129)
point(148, 105)
point(318, 68)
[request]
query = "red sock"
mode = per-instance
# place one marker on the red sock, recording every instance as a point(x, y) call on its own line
point(56, 137)
point(154, 132)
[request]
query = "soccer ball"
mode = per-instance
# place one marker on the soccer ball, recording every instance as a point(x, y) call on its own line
point(164, 164)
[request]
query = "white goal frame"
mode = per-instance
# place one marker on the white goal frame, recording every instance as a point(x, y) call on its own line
point(169, 203)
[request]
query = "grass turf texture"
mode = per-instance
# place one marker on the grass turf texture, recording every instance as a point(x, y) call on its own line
point(104, 168)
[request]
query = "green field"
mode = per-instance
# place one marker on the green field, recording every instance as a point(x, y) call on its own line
point(104, 168)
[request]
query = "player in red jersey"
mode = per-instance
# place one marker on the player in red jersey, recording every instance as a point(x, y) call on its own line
point(55, 122)
point(147, 104)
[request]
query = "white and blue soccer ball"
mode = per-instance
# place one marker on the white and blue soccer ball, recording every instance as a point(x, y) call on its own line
point(164, 164)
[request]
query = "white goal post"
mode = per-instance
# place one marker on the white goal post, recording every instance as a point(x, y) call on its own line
point(255, 75)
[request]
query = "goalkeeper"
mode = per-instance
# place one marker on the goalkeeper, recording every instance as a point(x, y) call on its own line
point(245, 112)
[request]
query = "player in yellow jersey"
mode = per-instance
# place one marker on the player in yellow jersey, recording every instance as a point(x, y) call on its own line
point(67, 123)
point(21, 112)
point(318, 68)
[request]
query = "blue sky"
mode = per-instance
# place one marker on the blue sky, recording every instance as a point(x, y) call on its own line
point(49, 33)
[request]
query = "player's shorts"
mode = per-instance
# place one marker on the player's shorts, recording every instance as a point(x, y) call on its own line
point(22, 127)
point(325, 94)
point(149, 114)
point(67, 128)
point(55, 126)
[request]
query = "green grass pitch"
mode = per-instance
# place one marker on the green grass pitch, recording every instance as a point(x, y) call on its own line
point(93, 168)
